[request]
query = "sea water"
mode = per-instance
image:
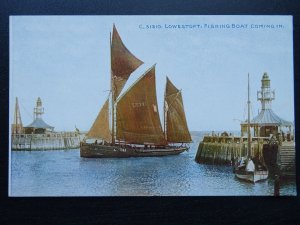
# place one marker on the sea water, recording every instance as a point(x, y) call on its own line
point(65, 173)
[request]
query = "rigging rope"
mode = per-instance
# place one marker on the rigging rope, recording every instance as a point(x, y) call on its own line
point(23, 107)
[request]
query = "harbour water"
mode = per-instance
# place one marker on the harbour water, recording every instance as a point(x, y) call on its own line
point(64, 173)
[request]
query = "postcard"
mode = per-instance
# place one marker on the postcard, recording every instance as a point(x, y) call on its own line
point(151, 106)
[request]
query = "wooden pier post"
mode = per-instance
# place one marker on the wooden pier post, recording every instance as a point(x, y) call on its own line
point(277, 186)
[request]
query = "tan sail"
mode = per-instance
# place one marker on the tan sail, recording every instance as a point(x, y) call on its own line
point(176, 125)
point(100, 128)
point(17, 126)
point(123, 63)
point(137, 113)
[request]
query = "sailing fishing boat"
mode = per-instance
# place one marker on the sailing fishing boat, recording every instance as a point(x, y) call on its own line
point(136, 130)
point(246, 168)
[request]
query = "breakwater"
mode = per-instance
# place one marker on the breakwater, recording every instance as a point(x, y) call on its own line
point(225, 149)
point(50, 141)
point(278, 155)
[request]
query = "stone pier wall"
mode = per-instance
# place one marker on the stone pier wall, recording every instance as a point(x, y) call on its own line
point(53, 141)
point(223, 150)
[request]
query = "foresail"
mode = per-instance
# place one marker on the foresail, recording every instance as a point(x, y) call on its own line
point(137, 113)
point(123, 63)
point(176, 125)
point(100, 128)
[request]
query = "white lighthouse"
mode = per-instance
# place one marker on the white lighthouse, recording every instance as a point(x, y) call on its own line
point(265, 95)
point(267, 123)
point(38, 110)
point(38, 125)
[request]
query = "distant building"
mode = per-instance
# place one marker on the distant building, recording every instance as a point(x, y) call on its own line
point(39, 135)
point(38, 126)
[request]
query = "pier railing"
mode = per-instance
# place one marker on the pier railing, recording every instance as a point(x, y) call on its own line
point(53, 135)
point(239, 139)
point(232, 139)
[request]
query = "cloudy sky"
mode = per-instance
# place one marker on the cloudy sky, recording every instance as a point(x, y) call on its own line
point(65, 60)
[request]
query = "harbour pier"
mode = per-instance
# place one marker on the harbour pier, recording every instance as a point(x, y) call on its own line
point(39, 135)
point(272, 139)
point(278, 154)
point(54, 141)
point(225, 149)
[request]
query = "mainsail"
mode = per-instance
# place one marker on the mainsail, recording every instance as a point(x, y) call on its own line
point(137, 113)
point(176, 125)
point(100, 128)
point(123, 63)
point(137, 118)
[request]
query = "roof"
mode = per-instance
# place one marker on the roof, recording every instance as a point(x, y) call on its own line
point(39, 123)
point(268, 117)
point(265, 76)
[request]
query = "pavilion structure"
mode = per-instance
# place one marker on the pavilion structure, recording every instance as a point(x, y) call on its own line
point(267, 123)
point(38, 126)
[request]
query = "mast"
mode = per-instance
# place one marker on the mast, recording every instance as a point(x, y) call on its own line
point(16, 115)
point(17, 126)
point(112, 98)
point(248, 124)
point(165, 111)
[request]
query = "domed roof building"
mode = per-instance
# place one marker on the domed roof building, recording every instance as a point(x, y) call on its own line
point(38, 126)
point(267, 122)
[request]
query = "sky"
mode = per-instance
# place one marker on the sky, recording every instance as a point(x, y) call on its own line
point(65, 60)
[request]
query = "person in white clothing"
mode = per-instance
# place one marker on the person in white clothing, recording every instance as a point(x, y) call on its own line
point(250, 166)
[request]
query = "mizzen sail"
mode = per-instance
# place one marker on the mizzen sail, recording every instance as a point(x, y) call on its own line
point(176, 125)
point(100, 128)
point(137, 113)
point(123, 63)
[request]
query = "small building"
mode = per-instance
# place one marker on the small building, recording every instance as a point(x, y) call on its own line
point(267, 123)
point(39, 135)
point(38, 126)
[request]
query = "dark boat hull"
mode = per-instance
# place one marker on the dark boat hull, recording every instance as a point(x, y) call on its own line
point(108, 151)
